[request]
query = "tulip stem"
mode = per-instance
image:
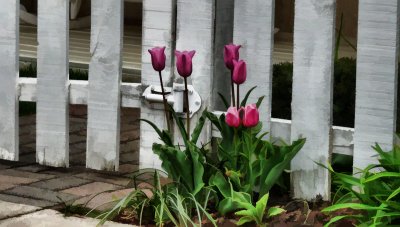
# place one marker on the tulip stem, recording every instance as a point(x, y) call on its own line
point(187, 110)
point(166, 110)
point(233, 89)
point(237, 97)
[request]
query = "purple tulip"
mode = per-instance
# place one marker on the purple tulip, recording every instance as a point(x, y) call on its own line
point(232, 117)
point(231, 52)
point(158, 58)
point(250, 116)
point(184, 62)
point(239, 72)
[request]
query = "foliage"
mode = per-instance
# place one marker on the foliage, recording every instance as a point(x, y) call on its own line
point(373, 192)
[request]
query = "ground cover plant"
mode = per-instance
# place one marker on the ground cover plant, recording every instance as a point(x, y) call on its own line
point(233, 180)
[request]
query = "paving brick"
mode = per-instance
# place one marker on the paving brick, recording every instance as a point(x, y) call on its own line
point(26, 201)
point(131, 158)
point(104, 201)
point(129, 135)
point(41, 194)
point(24, 174)
point(4, 179)
point(8, 209)
point(27, 120)
point(76, 138)
point(91, 189)
point(131, 146)
point(128, 168)
point(5, 186)
point(122, 181)
point(60, 183)
point(33, 168)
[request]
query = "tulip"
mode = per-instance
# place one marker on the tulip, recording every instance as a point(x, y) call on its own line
point(231, 52)
point(250, 116)
point(232, 117)
point(239, 72)
point(184, 67)
point(184, 62)
point(158, 58)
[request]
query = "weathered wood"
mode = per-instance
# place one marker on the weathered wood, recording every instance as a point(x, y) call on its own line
point(195, 31)
point(158, 28)
point(376, 90)
point(52, 145)
point(254, 30)
point(104, 97)
point(312, 96)
point(9, 51)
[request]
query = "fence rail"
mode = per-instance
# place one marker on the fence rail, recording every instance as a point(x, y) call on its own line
point(204, 26)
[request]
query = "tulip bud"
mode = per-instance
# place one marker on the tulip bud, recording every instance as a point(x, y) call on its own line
point(250, 116)
point(184, 62)
point(232, 117)
point(158, 58)
point(231, 52)
point(239, 72)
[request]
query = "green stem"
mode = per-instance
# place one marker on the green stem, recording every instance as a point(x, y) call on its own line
point(187, 110)
point(232, 89)
point(237, 97)
point(166, 110)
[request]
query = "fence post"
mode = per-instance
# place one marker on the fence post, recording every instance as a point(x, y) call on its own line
point(104, 97)
point(195, 31)
point(254, 30)
point(9, 65)
point(158, 30)
point(314, 31)
point(52, 143)
point(376, 84)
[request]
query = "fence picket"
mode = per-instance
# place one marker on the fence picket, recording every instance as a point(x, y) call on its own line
point(158, 18)
point(9, 50)
point(254, 30)
point(314, 31)
point(104, 97)
point(376, 89)
point(52, 144)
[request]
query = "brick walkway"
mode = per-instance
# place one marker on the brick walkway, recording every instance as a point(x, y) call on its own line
point(25, 182)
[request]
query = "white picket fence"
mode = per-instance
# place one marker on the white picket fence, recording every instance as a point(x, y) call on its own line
point(204, 26)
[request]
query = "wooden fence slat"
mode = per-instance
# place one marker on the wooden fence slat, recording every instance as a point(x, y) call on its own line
point(376, 89)
point(52, 144)
point(9, 54)
point(254, 30)
point(314, 31)
point(104, 97)
point(195, 31)
point(158, 27)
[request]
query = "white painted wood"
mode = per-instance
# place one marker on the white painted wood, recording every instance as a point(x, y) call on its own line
point(376, 90)
point(312, 96)
point(9, 66)
point(195, 31)
point(157, 28)
point(52, 145)
point(254, 30)
point(104, 97)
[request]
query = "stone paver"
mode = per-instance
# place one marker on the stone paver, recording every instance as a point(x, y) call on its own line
point(25, 174)
point(8, 209)
point(32, 168)
point(91, 189)
point(14, 180)
point(26, 201)
point(60, 183)
point(103, 201)
point(5, 186)
point(51, 218)
point(41, 194)
point(122, 181)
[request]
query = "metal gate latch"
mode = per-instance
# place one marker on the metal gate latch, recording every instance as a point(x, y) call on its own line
point(175, 97)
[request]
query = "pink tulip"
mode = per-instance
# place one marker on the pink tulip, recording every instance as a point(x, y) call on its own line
point(158, 58)
point(232, 117)
point(250, 116)
point(239, 72)
point(184, 62)
point(231, 52)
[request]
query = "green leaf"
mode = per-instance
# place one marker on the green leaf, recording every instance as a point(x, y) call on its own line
point(261, 204)
point(380, 175)
point(273, 211)
point(199, 127)
point(226, 103)
point(244, 101)
point(244, 220)
point(338, 218)
point(259, 101)
point(164, 135)
point(394, 193)
point(354, 206)
point(180, 126)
